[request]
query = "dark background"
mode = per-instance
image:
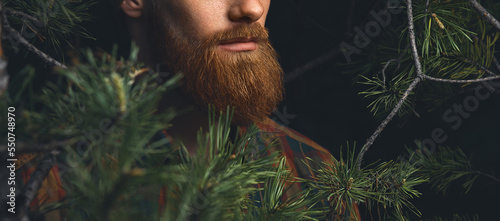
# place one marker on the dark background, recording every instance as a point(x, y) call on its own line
point(325, 104)
point(328, 109)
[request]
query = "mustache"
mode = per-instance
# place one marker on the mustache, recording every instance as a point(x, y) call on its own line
point(254, 31)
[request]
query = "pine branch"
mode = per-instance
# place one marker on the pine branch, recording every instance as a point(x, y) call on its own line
point(23, 15)
point(299, 71)
point(387, 184)
point(385, 68)
point(398, 60)
point(495, 61)
point(412, 86)
point(456, 217)
point(461, 81)
point(413, 44)
point(35, 182)
point(17, 36)
point(426, 11)
point(485, 14)
point(487, 175)
point(445, 166)
point(481, 67)
point(350, 18)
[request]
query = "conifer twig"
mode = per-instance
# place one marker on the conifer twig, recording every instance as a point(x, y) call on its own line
point(485, 14)
point(23, 15)
point(385, 68)
point(425, 13)
point(413, 85)
point(35, 182)
point(297, 72)
point(487, 175)
point(461, 81)
point(398, 60)
point(15, 34)
point(480, 66)
point(350, 18)
point(495, 61)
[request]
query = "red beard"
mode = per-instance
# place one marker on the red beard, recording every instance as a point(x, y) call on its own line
point(251, 82)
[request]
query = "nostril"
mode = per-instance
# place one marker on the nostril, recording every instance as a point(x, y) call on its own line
point(247, 11)
point(247, 19)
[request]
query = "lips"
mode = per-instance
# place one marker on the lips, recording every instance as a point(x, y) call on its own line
point(239, 44)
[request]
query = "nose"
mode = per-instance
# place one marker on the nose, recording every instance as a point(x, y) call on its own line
point(247, 11)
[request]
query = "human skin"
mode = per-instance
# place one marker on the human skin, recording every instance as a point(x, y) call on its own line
point(195, 20)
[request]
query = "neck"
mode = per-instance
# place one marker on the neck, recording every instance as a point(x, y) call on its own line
point(140, 33)
point(190, 118)
point(188, 121)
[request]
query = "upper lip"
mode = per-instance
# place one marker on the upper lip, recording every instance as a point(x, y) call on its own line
point(239, 40)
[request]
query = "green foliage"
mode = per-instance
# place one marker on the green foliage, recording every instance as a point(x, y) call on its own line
point(117, 164)
point(444, 167)
point(387, 184)
point(452, 45)
point(213, 184)
point(444, 23)
point(111, 119)
point(457, 217)
point(223, 174)
point(273, 208)
point(386, 94)
point(52, 22)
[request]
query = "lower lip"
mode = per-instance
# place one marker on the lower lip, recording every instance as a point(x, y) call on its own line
point(239, 46)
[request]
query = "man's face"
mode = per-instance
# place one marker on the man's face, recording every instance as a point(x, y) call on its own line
point(223, 50)
point(199, 19)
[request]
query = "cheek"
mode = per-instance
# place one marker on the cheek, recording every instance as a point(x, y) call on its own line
point(204, 18)
point(266, 4)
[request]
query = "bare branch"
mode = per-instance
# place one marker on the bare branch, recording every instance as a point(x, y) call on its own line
point(23, 15)
point(480, 66)
point(425, 13)
point(33, 185)
point(385, 68)
point(311, 64)
point(413, 44)
point(15, 34)
point(462, 81)
point(350, 17)
point(495, 62)
point(408, 91)
point(485, 14)
point(312, 21)
point(388, 119)
point(487, 175)
point(398, 60)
